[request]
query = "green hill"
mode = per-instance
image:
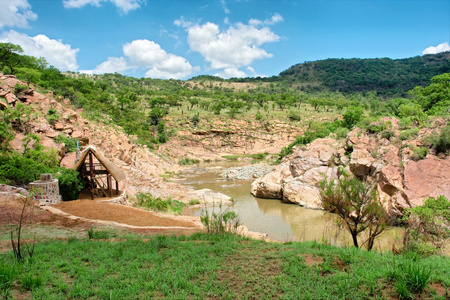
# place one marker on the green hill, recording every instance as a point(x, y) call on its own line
point(388, 77)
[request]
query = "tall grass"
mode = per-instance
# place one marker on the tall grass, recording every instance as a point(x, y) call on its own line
point(158, 204)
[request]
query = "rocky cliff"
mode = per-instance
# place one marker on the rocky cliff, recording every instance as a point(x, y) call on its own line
point(141, 166)
point(402, 179)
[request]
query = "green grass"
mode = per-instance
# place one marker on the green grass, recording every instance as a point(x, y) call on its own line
point(205, 266)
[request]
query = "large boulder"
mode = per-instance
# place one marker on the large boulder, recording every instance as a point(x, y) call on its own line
point(426, 178)
point(269, 186)
point(320, 152)
point(298, 192)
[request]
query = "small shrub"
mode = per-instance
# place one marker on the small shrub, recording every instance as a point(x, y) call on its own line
point(194, 202)
point(71, 143)
point(147, 200)
point(258, 116)
point(188, 161)
point(294, 116)
point(342, 132)
point(419, 153)
point(18, 88)
point(99, 234)
point(195, 120)
point(258, 156)
point(387, 134)
point(52, 116)
point(224, 221)
point(427, 226)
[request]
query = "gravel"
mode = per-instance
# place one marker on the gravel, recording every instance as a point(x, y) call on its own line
point(247, 172)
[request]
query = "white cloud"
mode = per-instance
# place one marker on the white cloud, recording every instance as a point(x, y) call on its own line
point(273, 20)
point(148, 55)
point(60, 55)
point(439, 48)
point(232, 49)
point(123, 5)
point(16, 13)
point(231, 72)
point(225, 7)
point(111, 65)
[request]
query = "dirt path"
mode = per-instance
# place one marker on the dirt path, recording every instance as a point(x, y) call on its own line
point(94, 210)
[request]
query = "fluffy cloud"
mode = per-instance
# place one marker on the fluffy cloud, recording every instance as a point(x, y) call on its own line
point(123, 5)
point(439, 48)
point(234, 48)
point(148, 55)
point(16, 13)
point(60, 55)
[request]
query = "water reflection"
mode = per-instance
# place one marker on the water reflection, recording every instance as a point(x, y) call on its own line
point(280, 221)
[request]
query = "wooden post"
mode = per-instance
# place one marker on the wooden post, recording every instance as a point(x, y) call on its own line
point(108, 180)
point(117, 187)
point(91, 174)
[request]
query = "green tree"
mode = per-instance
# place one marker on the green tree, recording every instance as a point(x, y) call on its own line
point(356, 203)
point(434, 98)
point(352, 115)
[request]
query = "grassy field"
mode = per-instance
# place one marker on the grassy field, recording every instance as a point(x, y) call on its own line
point(208, 266)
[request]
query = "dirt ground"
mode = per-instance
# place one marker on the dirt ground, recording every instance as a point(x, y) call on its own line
point(92, 213)
point(94, 210)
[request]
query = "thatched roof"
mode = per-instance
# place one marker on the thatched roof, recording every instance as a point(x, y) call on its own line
point(117, 173)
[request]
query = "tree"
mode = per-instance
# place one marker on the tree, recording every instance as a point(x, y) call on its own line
point(434, 98)
point(355, 201)
point(352, 116)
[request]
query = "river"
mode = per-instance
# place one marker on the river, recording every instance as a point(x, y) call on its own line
point(280, 221)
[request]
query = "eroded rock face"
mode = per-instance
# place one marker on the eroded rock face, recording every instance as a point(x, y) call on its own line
point(401, 182)
point(429, 177)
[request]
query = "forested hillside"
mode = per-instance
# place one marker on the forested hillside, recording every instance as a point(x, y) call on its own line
point(388, 77)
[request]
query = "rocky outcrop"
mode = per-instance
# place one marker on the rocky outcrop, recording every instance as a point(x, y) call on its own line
point(141, 166)
point(401, 181)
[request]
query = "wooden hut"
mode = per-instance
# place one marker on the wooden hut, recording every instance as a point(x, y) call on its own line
point(97, 172)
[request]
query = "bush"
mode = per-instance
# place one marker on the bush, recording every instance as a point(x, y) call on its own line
point(52, 116)
point(195, 120)
point(352, 115)
point(21, 169)
point(70, 184)
point(427, 226)
point(258, 116)
point(18, 88)
point(224, 221)
point(99, 234)
point(442, 144)
point(387, 134)
point(419, 153)
point(188, 161)
point(147, 200)
point(71, 143)
point(294, 116)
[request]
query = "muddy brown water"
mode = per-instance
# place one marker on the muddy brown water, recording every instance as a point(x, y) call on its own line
point(280, 221)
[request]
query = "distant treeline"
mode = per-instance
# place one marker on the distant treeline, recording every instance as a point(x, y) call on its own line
point(388, 77)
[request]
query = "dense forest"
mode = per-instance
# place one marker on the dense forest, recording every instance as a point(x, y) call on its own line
point(388, 77)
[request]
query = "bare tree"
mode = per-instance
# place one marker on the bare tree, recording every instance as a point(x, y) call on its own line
point(27, 205)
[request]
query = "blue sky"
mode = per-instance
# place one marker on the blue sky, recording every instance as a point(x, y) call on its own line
point(228, 38)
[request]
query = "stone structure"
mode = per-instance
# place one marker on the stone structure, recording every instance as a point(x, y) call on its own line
point(48, 189)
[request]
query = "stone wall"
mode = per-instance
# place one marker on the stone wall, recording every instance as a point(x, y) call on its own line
point(47, 190)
